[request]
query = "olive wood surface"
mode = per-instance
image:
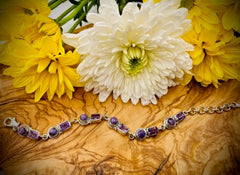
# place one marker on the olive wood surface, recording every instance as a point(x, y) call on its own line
point(201, 144)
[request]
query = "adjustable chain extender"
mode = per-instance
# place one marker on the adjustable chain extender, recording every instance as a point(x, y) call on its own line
point(140, 134)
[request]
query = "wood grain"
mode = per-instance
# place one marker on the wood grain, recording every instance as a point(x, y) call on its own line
point(201, 144)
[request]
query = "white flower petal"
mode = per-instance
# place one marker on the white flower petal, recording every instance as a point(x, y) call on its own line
point(71, 39)
point(104, 95)
point(130, 8)
point(134, 100)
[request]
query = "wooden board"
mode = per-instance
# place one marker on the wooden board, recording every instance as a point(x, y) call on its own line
point(201, 144)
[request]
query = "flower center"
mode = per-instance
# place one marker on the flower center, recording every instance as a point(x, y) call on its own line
point(134, 60)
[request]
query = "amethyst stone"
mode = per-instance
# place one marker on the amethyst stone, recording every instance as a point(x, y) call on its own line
point(153, 131)
point(171, 121)
point(65, 125)
point(53, 132)
point(22, 131)
point(95, 117)
point(180, 116)
point(141, 134)
point(114, 120)
point(123, 129)
point(33, 134)
point(83, 117)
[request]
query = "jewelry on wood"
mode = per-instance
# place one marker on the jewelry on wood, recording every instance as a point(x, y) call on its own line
point(140, 134)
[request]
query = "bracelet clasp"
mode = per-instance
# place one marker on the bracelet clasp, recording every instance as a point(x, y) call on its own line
point(10, 122)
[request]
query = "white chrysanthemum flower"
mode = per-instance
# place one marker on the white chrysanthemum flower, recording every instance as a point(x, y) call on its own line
point(136, 55)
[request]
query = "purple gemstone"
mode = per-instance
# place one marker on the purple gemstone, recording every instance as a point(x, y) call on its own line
point(95, 117)
point(33, 134)
point(180, 116)
point(171, 121)
point(153, 131)
point(22, 131)
point(53, 131)
point(123, 128)
point(114, 120)
point(65, 125)
point(83, 117)
point(141, 134)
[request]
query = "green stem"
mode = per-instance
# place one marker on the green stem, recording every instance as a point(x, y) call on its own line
point(81, 17)
point(65, 13)
point(57, 3)
point(77, 22)
point(74, 13)
point(51, 2)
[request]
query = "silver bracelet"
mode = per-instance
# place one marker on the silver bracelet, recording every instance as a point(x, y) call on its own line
point(140, 134)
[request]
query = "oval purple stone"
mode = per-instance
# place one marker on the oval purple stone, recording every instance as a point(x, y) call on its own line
point(114, 120)
point(22, 131)
point(53, 132)
point(141, 133)
point(171, 121)
point(83, 117)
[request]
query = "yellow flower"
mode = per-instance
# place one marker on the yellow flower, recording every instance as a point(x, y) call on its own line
point(42, 68)
point(32, 49)
point(22, 19)
point(216, 56)
point(25, 6)
point(228, 10)
point(32, 30)
point(202, 16)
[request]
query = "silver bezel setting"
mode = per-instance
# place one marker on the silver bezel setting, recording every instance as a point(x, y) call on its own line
point(85, 122)
point(38, 134)
point(26, 127)
point(168, 126)
point(95, 120)
point(148, 133)
point(176, 119)
point(136, 134)
point(55, 136)
point(113, 126)
point(60, 129)
point(121, 131)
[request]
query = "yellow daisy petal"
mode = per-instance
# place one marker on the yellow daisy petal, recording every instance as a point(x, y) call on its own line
point(70, 58)
point(22, 81)
point(197, 55)
point(68, 84)
point(60, 90)
point(69, 93)
point(53, 68)
point(231, 18)
point(53, 84)
point(60, 75)
point(42, 65)
point(43, 87)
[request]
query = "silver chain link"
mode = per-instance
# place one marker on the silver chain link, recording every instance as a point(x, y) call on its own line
point(131, 136)
point(211, 110)
point(106, 117)
point(74, 120)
